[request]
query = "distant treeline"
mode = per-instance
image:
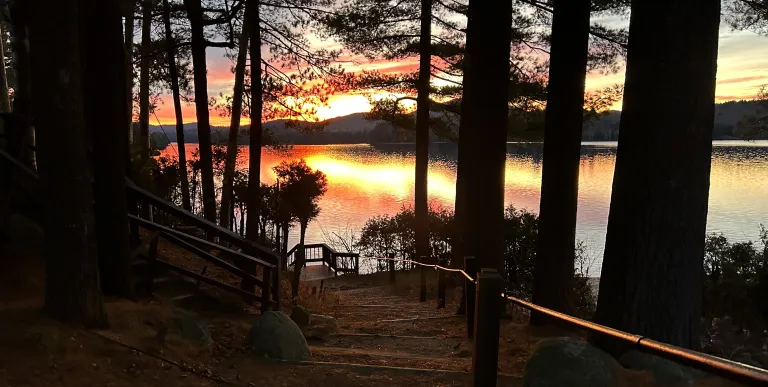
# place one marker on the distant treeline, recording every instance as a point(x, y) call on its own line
point(606, 128)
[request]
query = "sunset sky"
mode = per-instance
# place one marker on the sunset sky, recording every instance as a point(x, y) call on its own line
point(742, 69)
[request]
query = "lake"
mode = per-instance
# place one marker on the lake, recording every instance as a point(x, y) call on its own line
point(367, 180)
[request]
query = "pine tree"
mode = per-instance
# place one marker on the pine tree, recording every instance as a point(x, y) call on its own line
point(72, 289)
point(553, 273)
point(652, 274)
point(102, 61)
point(485, 95)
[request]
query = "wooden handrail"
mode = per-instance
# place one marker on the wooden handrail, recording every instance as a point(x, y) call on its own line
point(209, 281)
point(212, 259)
point(199, 242)
point(204, 224)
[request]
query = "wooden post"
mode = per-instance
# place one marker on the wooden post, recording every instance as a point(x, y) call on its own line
point(266, 289)
point(152, 269)
point(391, 268)
point(441, 284)
point(357, 264)
point(423, 285)
point(278, 284)
point(485, 354)
point(469, 294)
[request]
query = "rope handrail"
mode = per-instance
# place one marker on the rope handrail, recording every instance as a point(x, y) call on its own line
point(727, 368)
point(437, 267)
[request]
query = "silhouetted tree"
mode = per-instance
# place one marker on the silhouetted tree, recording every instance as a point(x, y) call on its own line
point(553, 274)
point(485, 95)
point(652, 274)
point(173, 74)
point(195, 13)
point(255, 135)
point(227, 191)
point(104, 104)
point(300, 189)
point(421, 195)
point(141, 142)
point(72, 272)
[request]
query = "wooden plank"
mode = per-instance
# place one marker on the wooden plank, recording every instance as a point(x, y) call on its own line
point(209, 281)
point(201, 243)
point(207, 226)
point(212, 259)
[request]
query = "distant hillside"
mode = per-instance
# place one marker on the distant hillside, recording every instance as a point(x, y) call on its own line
point(354, 128)
point(727, 116)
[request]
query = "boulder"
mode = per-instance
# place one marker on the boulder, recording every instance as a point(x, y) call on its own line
point(301, 316)
point(322, 326)
point(193, 327)
point(276, 336)
point(570, 362)
point(665, 372)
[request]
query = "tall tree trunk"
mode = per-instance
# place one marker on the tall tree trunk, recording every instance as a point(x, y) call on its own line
point(421, 207)
point(298, 264)
point(652, 276)
point(142, 145)
point(227, 192)
point(104, 105)
point(254, 148)
point(72, 274)
point(128, 36)
point(553, 271)
point(5, 100)
point(173, 72)
point(463, 169)
point(278, 240)
point(195, 14)
point(21, 133)
point(486, 94)
point(284, 260)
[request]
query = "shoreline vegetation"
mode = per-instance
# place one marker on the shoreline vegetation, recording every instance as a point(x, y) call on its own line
point(356, 129)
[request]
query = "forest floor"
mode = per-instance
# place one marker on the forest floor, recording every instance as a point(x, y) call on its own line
point(386, 337)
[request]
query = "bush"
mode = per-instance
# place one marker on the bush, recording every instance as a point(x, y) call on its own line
point(736, 280)
point(384, 235)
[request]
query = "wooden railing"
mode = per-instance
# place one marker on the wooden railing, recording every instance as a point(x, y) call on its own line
point(243, 263)
point(338, 262)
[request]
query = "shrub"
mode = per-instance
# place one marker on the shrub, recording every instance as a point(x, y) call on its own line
point(736, 280)
point(384, 235)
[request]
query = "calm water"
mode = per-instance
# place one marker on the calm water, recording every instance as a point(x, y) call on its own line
point(366, 180)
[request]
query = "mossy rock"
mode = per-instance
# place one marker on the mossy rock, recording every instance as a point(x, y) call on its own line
point(570, 362)
point(276, 336)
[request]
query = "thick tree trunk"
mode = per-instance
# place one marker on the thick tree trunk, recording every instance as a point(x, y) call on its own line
point(421, 207)
point(142, 145)
point(173, 72)
point(72, 275)
point(553, 271)
point(21, 133)
point(298, 264)
point(652, 275)
point(195, 14)
point(5, 100)
point(254, 149)
point(104, 105)
point(227, 192)
point(486, 94)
